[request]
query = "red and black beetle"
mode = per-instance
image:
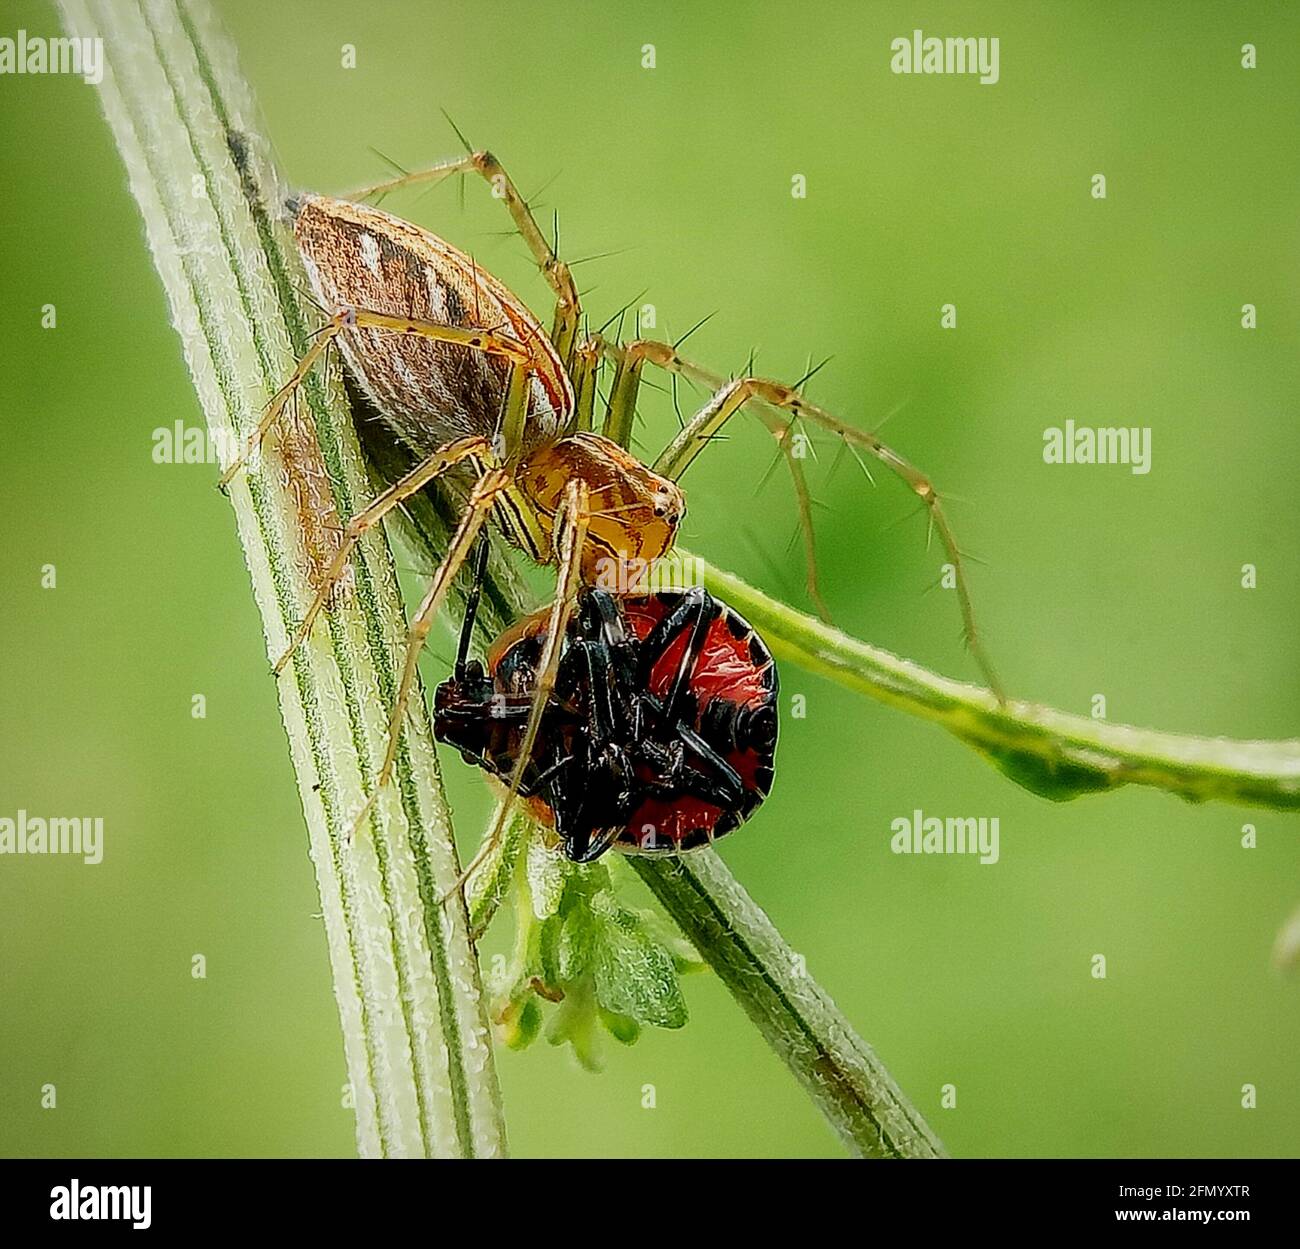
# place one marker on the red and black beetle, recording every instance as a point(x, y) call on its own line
point(660, 733)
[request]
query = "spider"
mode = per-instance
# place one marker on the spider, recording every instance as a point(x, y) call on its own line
point(473, 386)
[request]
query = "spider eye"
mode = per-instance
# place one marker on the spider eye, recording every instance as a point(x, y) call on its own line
point(665, 506)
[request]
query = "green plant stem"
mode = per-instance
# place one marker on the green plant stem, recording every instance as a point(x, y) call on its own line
point(837, 1069)
point(1052, 753)
point(415, 1035)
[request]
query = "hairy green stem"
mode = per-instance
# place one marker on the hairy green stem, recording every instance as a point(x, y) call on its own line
point(838, 1070)
point(415, 1035)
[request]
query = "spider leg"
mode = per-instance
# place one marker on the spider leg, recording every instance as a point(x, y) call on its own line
point(780, 406)
point(475, 450)
point(277, 405)
point(490, 486)
point(568, 307)
point(620, 411)
point(584, 373)
point(570, 531)
point(620, 414)
point(485, 341)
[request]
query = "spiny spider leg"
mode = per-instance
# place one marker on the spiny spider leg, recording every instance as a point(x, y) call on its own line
point(619, 417)
point(571, 531)
point(729, 397)
point(477, 451)
point(482, 499)
point(486, 341)
point(568, 307)
point(584, 373)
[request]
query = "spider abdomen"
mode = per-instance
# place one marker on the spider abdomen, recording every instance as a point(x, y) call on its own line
point(429, 392)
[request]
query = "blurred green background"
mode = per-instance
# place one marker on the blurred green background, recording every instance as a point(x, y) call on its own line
point(921, 191)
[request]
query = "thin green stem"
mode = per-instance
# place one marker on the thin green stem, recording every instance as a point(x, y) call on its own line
point(415, 1034)
point(837, 1069)
point(1049, 752)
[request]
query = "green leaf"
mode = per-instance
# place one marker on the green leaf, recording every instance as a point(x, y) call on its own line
point(548, 950)
point(634, 974)
point(575, 1024)
point(578, 939)
point(686, 958)
point(546, 878)
point(620, 1027)
point(520, 1027)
